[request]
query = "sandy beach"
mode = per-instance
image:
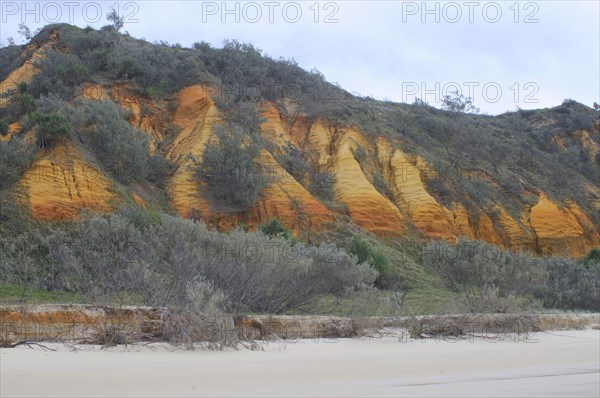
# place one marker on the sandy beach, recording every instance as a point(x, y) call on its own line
point(565, 363)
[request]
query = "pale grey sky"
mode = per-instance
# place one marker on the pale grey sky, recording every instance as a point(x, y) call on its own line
point(504, 54)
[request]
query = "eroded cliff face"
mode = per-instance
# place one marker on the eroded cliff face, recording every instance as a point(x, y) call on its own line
point(25, 72)
point(62, 181)
point(562, 231)
point(366, 206)
point(195, 117)
point(274, 129)
point(286, 199)
point(405, 176)
point(283, 197)
point(144, 114)
point(410, 193)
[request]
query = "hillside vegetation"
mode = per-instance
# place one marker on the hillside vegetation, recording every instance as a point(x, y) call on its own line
point(108, 142)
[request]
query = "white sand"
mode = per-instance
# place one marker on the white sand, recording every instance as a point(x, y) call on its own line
point(559, 364)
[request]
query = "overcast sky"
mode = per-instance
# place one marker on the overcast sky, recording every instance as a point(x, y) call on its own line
point(504, 54)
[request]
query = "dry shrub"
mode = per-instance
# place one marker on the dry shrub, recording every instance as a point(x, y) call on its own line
point(482, 325)
point(200, 321)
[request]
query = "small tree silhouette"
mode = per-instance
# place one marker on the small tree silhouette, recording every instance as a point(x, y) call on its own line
point(455, 103)
point(117, 21)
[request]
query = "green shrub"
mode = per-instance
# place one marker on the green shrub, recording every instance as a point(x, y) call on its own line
point(52, 129)
point(22, 87)
point(382, 186)
point(27, 103)
point(122, 149)
point(294, 163)
point(16, 156)
point(275, 228)
point(232, 180)
point(572, 284)
point(482, 273)
point(367, 254)
point(244, 114)
point(360, 154)
point(158, 70)
point(378, 261)
point(593, 257)
point(159, 170)
point(140, 217)
point(60, 74)
point(15, 217)
point(321, 185)
point(3, 128)
point(360, 249)
point(11, 57)
point(23, 260)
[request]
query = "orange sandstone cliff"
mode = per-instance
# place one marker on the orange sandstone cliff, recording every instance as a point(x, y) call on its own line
point(63, 180)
